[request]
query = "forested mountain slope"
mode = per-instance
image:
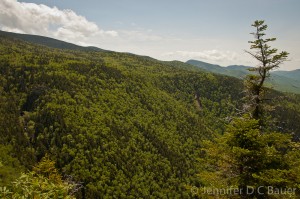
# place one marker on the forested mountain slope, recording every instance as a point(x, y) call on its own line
point(125, 126)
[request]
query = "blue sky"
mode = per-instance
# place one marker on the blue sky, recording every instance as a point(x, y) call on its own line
point(214, 31)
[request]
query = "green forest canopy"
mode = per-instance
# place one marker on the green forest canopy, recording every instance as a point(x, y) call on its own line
point(122, 125)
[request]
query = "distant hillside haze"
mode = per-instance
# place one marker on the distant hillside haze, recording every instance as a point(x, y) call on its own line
point(285, 81)
point(47, 41)
point(295, 74)
point(233, 70)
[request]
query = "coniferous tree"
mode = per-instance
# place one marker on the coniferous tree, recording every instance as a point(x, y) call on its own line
point(268, 60)
point(252, 159)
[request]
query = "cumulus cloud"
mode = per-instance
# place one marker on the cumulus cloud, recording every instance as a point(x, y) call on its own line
point(211, 55)
point(65, 24)
point(43, 20)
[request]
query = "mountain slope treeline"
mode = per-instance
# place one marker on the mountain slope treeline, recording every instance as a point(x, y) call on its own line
point(122, 125)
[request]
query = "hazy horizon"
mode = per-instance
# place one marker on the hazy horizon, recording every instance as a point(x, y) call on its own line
point(215, 32)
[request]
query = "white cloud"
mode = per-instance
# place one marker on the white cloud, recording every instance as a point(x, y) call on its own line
point(43, 20)
point(39, 19)
point(210, 55)
point(67, 25)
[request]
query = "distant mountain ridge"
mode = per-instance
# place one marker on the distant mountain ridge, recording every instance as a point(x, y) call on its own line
point(234, 70)
point(50, 42)
point(295, 74)
point(285, 81)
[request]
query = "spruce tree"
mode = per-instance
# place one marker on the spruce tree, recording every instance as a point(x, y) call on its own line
point(254, 160)
point(268, 59)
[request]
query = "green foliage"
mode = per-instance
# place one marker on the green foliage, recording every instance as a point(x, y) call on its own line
point(10, 167)
point(250, 153)
point(268, 60)
point(47, 168)
point(124, 126)
point(112, 121)
point(31, 185)
point(244, 157)
point(43, 182)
